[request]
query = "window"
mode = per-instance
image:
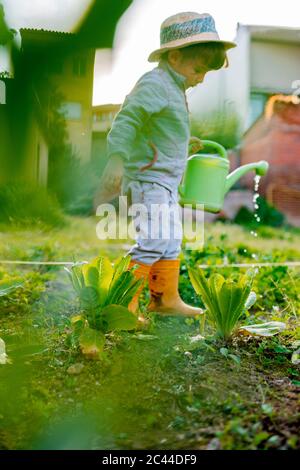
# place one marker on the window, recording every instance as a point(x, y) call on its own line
point(2, 92)
point(71, 110)
point(104, 116)
point(79, 66)
point(257, 106)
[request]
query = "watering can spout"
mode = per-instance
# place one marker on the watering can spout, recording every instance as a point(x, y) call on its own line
point(260, 168)
point(205, 181)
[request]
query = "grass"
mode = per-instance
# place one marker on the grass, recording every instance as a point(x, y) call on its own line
point(156, 390)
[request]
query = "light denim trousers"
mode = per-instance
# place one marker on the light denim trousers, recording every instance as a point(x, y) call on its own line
point(157, 221)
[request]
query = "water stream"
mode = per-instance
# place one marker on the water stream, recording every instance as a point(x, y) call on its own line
point(257, 179)
point(253, 232)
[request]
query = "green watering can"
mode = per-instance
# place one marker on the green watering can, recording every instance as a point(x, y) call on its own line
point(206, 179)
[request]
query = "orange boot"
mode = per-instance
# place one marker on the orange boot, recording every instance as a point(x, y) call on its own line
point(163, 285)
point(141, 272)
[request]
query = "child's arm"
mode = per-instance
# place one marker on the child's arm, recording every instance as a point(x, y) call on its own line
point(147, 98)
point(110, 182)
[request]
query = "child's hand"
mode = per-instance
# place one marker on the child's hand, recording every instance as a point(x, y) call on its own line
point(195, 145)
point(110, 182)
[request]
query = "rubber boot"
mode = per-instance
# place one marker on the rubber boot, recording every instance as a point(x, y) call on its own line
point(141, 272)
point(163, 285)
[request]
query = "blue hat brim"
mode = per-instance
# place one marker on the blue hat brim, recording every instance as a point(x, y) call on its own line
point(155, 55)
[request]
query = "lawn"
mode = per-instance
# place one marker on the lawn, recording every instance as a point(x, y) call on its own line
point(173, 386)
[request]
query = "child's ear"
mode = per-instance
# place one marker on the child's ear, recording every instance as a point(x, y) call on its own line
point(174, 56)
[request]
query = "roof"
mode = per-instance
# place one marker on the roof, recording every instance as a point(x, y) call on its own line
point(105, 107)
point(42, 37)
point(44, 31)
point(273, 33)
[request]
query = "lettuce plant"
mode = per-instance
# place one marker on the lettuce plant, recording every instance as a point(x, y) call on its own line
point(104, 293)
point(227, 300)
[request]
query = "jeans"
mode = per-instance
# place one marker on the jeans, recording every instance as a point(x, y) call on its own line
point(157, 224)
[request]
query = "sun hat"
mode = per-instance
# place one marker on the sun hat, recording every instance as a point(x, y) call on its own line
point(185, 29)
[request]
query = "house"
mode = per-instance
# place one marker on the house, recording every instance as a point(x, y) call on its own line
point(264, 74)
point(273, 122)
point(60, 61)
point(50, 57)
point(103, 116)
point(275, 137)
point(71, 71)
point(34, 166)
point(265, 62)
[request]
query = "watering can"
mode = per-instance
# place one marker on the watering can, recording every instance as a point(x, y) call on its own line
point(206, 179)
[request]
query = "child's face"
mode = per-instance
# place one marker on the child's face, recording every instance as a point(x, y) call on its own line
point(193, 69)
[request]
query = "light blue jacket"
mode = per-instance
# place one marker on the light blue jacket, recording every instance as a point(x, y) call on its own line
point(152, 129)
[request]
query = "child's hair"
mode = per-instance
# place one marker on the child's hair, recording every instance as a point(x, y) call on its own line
point(213, 53)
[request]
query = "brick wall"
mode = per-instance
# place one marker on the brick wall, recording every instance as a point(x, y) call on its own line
point(277, 140)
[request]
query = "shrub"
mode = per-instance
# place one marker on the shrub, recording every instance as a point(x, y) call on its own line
point(222, 126)
point(28, 205)
point(267, 213)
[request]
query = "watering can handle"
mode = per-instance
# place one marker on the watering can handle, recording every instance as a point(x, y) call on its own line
point(210, 144)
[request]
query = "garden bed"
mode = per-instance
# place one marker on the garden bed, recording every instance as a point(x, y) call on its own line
point(164, 388)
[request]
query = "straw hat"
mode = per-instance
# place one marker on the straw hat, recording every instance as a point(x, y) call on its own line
point(185, 29)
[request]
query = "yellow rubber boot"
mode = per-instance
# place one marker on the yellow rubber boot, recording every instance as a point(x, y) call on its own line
point(163, 285)
point(141, 272)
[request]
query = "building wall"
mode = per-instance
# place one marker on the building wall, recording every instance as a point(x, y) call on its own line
point(276, 140)
point(103, 116)
point(274, 66)
point(36, 155)
point(43, 161)
point(256, 66)
point(5, 149)
point(99, 153)
point(226, 88)
point(78, 90)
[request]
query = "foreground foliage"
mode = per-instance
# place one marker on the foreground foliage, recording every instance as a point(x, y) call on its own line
point(169, 388)
point(104, 293)
point(227, 301)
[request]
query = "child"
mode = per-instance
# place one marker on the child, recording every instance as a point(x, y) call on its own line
point(149, 138)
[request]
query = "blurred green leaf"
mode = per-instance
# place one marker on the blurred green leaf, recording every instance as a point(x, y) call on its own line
point(91, 343)
point(296, 357)
point(119, 318)
point(264, 329)
point(3, 356)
